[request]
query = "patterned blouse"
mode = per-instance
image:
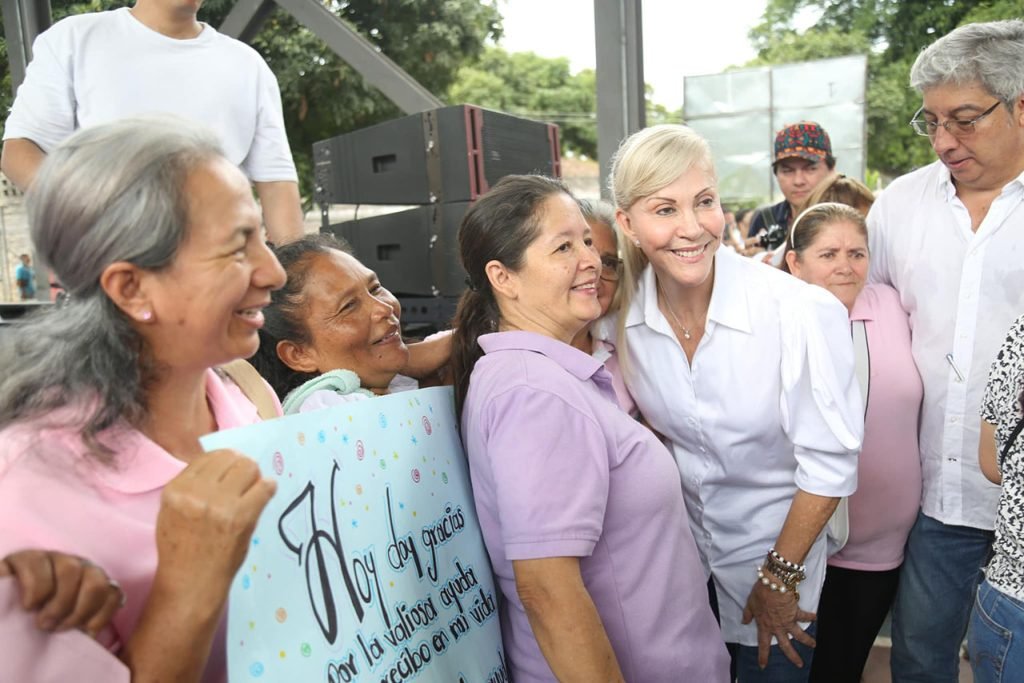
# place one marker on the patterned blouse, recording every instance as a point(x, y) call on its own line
point(1002, 408)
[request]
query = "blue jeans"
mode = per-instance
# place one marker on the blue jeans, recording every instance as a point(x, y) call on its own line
point(994, 638)
point(940, 574)
point(779, 669)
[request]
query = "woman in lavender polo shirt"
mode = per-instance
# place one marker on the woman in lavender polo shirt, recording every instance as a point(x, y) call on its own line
point(580, 505)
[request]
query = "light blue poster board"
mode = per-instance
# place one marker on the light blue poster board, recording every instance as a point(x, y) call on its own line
point(368, 564)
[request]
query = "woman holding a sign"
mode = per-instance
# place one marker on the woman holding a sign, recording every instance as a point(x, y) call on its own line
point(579, 504)
point(748, 374)
point(102, 402)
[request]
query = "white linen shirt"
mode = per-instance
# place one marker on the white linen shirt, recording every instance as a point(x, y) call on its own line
point(962, 290)
point(769, 405)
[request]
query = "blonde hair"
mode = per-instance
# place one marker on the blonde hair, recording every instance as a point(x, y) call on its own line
point(841, 189)
point(646, 162)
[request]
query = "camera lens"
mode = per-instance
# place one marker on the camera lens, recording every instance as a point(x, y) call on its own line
point(772, 238)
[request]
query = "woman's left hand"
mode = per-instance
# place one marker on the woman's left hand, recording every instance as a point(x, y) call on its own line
point(777, 615)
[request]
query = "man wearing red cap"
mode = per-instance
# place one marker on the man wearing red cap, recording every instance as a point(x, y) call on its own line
point(803, 157)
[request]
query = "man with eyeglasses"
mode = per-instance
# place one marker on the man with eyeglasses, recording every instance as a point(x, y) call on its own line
point(950, 238)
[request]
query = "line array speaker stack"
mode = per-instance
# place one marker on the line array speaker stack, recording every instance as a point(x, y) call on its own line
point(440, 160)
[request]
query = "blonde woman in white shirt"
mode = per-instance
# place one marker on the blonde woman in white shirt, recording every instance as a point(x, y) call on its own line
point(748, 373)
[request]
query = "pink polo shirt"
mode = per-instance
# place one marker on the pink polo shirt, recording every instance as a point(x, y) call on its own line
point(888, 494)
point(559, 470)
point(54, 497)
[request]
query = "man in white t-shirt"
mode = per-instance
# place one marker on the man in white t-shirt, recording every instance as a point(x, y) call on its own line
point(950, 238)
point(156, 57)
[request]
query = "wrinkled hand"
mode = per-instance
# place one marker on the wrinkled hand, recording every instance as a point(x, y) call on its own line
point(207, 516)
point(777, 615)
point(66, 591)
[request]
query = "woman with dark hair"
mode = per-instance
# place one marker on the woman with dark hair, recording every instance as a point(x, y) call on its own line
point(830, 250)
point(580, 505)
point(157, 239)
point(332, 332)
point(997, 622)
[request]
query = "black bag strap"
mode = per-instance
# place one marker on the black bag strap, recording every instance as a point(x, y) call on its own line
point(1013, 437)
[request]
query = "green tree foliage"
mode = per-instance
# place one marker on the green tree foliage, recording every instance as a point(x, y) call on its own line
point(322, 95)
point(542, 88)
point(529, 85)
point(891, 33)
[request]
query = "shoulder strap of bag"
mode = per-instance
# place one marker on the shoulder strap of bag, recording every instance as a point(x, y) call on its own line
point(243, 374)
point(1013, 437)
point(862, 360)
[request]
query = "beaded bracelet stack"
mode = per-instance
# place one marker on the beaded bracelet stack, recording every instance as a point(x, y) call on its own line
point(789, 574)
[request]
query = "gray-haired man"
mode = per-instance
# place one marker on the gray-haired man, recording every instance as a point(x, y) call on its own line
point(950, 237)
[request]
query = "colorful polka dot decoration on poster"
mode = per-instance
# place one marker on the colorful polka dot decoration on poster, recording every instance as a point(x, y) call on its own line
point(403, 445)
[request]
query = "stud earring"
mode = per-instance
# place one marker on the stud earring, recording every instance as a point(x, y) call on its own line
point(636, 243)
point(146, 316)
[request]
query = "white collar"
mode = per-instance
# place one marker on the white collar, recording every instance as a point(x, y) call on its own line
point(729, 304)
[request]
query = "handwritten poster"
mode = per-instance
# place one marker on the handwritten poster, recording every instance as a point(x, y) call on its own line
point(368, 564)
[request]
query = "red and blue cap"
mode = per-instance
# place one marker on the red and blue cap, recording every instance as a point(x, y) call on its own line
point(803, 140)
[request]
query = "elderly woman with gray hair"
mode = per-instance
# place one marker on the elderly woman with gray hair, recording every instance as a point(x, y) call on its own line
point(102, 402)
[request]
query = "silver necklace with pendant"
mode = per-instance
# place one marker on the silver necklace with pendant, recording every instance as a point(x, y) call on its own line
point(686, 330)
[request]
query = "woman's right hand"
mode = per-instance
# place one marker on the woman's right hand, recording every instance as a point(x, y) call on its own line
point(207, 516)
point(776, 614)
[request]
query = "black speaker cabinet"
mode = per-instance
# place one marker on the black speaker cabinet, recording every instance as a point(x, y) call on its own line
point(452, 154)
point(414, 252)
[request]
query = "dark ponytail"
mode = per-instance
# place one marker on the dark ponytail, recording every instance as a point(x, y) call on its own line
point(498, 227)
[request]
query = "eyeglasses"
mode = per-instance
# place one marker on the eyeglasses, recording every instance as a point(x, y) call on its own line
point(958, 128)
point(611, 268)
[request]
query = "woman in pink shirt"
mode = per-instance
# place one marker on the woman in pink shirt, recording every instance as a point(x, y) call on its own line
point(158, 241)
point(830, 249)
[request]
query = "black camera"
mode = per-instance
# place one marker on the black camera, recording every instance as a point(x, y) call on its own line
point(772, 238)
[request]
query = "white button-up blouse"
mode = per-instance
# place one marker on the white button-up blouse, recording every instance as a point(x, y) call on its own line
point(770, 404)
